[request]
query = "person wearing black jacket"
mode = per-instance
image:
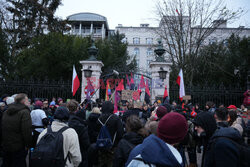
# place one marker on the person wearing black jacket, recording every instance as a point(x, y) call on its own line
point(134, 136)
point(220, 149)
point(92, 128)
point(77, 122)
point(115, 128)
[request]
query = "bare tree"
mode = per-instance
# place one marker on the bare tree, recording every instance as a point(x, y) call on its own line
point(186, 24)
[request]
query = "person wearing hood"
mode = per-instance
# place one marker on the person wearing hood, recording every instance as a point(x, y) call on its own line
point(39, 121)
point(135, 134)
point(219, 147)
point(16, 132)
point(159, 150)
point(77, 122)
point(71, 148)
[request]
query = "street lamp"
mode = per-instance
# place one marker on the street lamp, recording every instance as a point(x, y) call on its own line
point(87, 72)
point(162, 73)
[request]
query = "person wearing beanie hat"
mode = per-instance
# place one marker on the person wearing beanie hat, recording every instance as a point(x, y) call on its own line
point(39, 121)
point(71, 146)
point(219, 149)
point(161, 111)
point(159, 150)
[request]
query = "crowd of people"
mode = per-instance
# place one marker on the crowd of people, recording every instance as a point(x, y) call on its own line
point(53, 132)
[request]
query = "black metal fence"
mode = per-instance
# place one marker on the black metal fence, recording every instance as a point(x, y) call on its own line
point(41, 89)
point(52, 88)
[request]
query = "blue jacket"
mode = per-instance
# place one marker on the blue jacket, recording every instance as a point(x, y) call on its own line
point(223, 152)
point(155, 151)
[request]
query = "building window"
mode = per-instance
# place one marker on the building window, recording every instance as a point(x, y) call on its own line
point(137, 62)
point(148, 62)
point(149, 51)
point(149, 41)
point(124, 40)
point(136, 51)
point(136, 40)
point(212, 41)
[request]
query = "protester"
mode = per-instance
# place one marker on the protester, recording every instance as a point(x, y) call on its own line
point(159, 150)
point(92, 128)
point(135, 134)
point(114, 126)
point(218, 151)
point(71, 147)
point(234, 121)
point(16, 132)
point(39, 121)
point(210, 107)
point(221, 117)
point(77, 122)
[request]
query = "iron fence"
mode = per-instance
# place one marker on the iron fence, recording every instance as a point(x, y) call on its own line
point(51, 88)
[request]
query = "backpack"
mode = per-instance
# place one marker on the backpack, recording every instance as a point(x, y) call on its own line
point(49, 150)
point(244, 151)
point(104, 140)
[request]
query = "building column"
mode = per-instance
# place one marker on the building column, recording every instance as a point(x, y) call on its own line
point(158, 85)
point(91, 28)
point(80, 29)
point(103, 31)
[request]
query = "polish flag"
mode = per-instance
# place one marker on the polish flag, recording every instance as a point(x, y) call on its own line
point(180, 82)
point(75, 81)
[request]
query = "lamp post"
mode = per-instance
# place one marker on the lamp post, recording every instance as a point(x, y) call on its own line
point(162, 73)
point(159, 51)
point(92, 51)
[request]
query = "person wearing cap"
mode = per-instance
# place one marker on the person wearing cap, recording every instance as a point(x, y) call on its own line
point(218, 150)
point(159, 150)
point(70, 139)
point(39, 121)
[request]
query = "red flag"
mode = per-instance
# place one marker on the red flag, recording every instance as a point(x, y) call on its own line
point(177, 11)
point(142, 82)
point(132, 79)
point(75, 81)
point(147, 88)
point(139, 89)
point(127, 80)
point(165, 92)
point(120, 87)
point(180, 82)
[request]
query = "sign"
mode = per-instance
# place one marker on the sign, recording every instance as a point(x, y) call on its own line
point(187, 97)
point(136, 95)
point(127, 94)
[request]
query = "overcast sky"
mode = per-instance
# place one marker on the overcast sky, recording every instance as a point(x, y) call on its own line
point(134, 12)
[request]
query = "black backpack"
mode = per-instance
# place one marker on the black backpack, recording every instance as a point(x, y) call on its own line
point(49, 150)
point(243, 148)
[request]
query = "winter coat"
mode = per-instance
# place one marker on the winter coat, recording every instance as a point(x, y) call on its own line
point(114, 126)
point(81, 129)
point(70, 143)
point(237, 125)
point(124, 147)
point(135, 111)
point(16, 128)
point(93, 130)
point(154, 151)
point(222, 152)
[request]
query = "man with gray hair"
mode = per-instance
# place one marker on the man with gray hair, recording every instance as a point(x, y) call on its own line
point(16, 132)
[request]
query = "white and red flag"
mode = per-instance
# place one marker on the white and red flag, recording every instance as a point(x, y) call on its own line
point(75, 81)
point(180, 82)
